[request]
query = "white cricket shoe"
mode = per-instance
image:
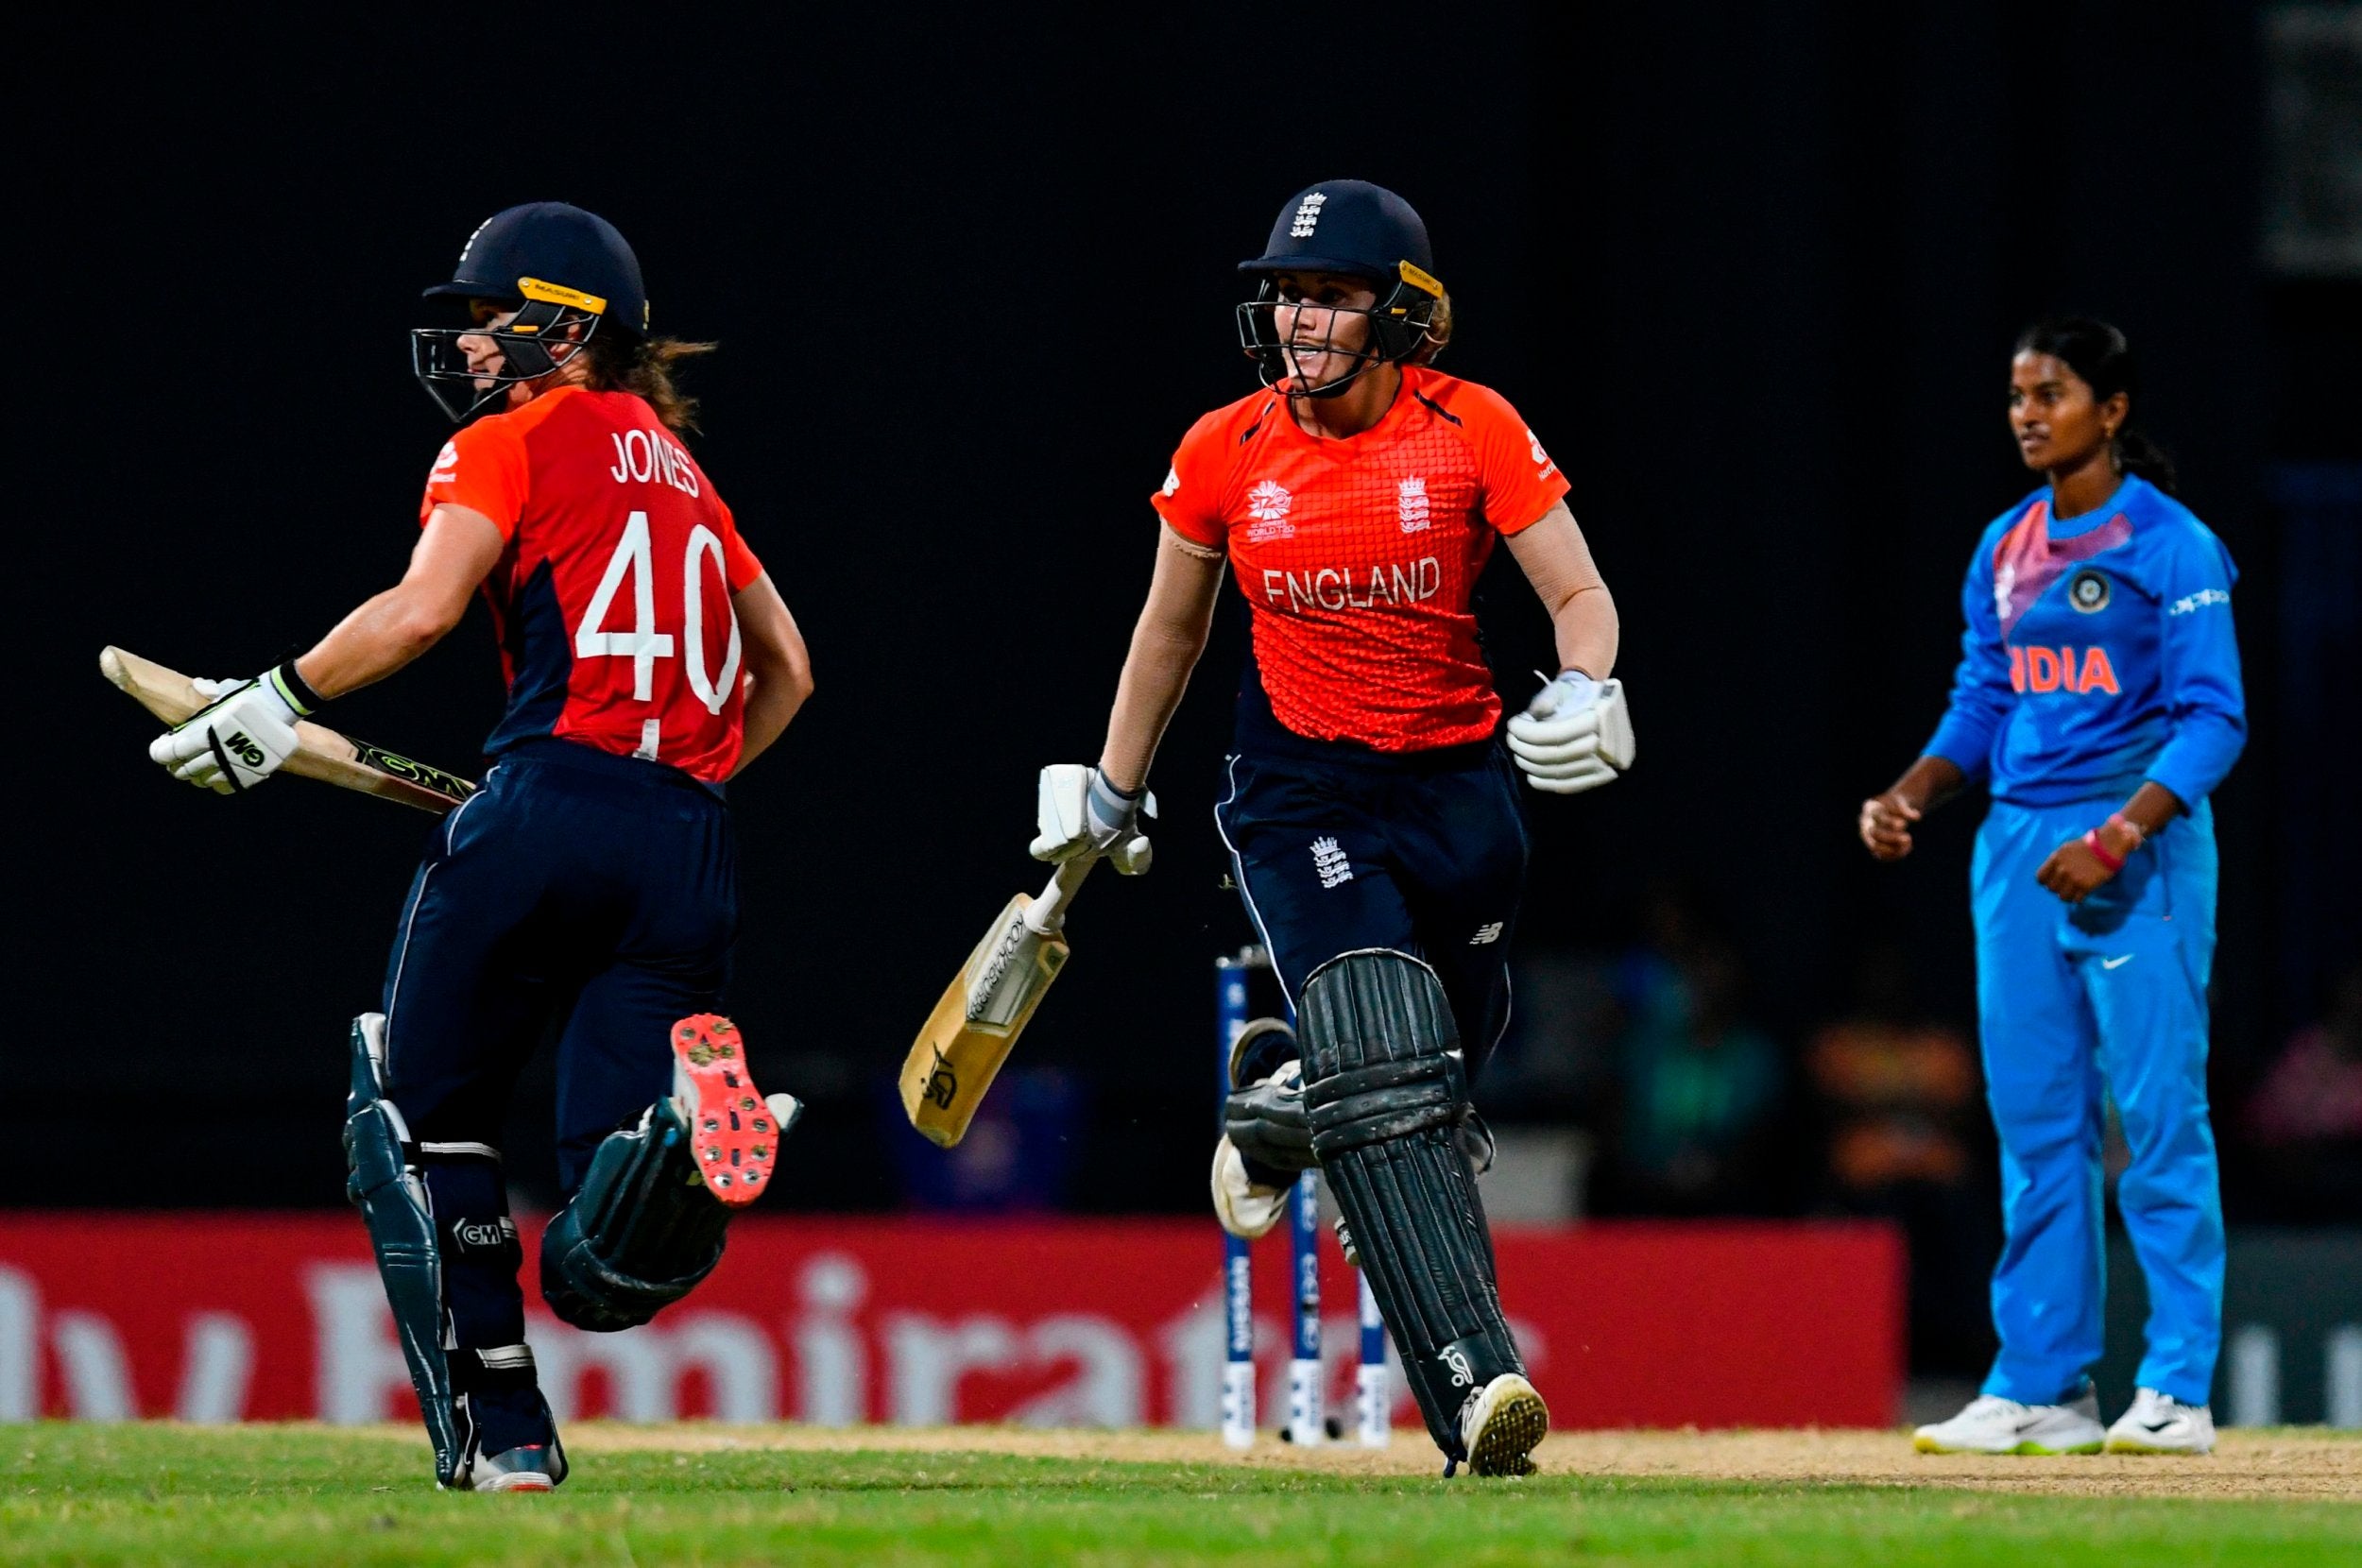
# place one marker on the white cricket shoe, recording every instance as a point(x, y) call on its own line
point(1991, 1424)
point(2159, 1423)
point(1501, 1424)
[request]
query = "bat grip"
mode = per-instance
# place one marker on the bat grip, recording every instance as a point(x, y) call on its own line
point(1045, 914)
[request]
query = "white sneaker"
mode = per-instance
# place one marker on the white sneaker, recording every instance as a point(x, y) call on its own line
point(1991, 1424)
point(2159, 1423)
point(1501, 1424)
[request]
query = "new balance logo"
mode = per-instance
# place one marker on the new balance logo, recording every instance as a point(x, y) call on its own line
point(1487, 935)
point(1330, 861)
point(1411, 504)
point(1307, 216)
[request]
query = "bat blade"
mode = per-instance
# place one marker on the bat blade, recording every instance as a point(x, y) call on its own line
point(973, 1026)
point(320, 753)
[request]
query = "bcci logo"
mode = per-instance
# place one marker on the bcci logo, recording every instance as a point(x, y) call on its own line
point(1307, 216)
point(2088, 591)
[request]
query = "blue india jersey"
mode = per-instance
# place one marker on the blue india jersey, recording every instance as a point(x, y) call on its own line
point(2098, 654)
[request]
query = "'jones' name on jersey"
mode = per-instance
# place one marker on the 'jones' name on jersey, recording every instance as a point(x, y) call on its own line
point(1343, 587)
point(640, 458)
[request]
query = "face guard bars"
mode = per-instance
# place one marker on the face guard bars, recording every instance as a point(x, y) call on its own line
point(1400, 325)
point(530, 347)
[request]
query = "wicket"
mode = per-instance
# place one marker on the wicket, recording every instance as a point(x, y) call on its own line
point(1307, 1419)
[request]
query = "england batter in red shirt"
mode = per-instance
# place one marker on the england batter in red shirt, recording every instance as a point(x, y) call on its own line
point(589, 888)
point(1371, 810)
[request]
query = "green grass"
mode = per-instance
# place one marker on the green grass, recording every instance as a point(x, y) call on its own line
point(158, 1494)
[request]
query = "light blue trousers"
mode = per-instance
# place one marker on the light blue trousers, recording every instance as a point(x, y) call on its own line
point(2110, 992)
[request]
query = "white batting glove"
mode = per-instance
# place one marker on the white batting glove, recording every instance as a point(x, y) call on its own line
point(1081, 813)
point(238, 741)
point(1576, 735)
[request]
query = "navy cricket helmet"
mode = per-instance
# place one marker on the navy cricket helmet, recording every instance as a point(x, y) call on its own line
point(568, 274)
point(1362, 230)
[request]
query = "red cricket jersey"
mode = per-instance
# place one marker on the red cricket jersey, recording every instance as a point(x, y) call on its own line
point(612, 599)
point(1358, 555)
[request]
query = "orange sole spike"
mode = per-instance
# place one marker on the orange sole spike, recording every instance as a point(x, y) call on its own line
point(731, 1129)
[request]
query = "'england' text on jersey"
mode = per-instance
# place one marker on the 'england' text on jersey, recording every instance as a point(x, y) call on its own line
point(640, 458)
point(1342, 587)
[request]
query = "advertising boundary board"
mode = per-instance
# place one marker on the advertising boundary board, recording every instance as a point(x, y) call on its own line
point(1113, 1322)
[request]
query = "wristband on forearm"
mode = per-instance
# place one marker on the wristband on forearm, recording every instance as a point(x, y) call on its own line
point(2101, 853)
point(1109, 807)
point(294, 691)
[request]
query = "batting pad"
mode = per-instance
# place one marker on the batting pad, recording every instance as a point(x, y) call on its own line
point(1387, 1090)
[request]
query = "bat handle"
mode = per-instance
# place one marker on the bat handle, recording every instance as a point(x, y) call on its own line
point(1046, 913)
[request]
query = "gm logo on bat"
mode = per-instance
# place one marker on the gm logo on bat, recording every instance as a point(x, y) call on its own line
point(449, 785)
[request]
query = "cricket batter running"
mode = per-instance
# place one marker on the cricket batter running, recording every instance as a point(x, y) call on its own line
point(591, 881)
point(1372, 819)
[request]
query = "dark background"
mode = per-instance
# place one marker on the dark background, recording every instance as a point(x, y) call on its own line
point(1751, 273)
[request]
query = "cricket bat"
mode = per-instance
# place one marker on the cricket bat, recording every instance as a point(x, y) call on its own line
point(968, 1035)
point(320, 753)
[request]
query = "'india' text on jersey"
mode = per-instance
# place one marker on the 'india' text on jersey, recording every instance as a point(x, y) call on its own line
point(1358, 555)
point(2099, 652)
point(613, 601)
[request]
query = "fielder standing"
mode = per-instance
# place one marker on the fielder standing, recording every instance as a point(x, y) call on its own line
point(1372, 817)
point(2098, 699)
point(591, 881)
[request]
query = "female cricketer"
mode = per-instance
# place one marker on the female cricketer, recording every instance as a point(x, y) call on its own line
point(2098, 699)
point(591, 883)
point(1372, 822)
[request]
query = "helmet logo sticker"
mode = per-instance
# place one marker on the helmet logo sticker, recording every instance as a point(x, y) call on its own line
point(1307, 216)
point(470, 245)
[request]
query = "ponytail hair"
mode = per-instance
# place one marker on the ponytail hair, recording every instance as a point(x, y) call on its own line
point(643, 367)
point(2099, 353)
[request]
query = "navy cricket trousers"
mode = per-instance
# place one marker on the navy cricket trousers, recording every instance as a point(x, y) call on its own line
point(1425, 853)
point(576, 888)
point(594, 891)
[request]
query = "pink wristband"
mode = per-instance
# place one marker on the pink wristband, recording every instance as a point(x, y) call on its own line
point(2100, 852)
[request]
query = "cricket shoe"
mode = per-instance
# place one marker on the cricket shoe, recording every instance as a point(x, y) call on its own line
point(532, 1467)
point(734, 1130)
point(1991, 1424)
point(1501, 1426)
point(2159, 1423)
